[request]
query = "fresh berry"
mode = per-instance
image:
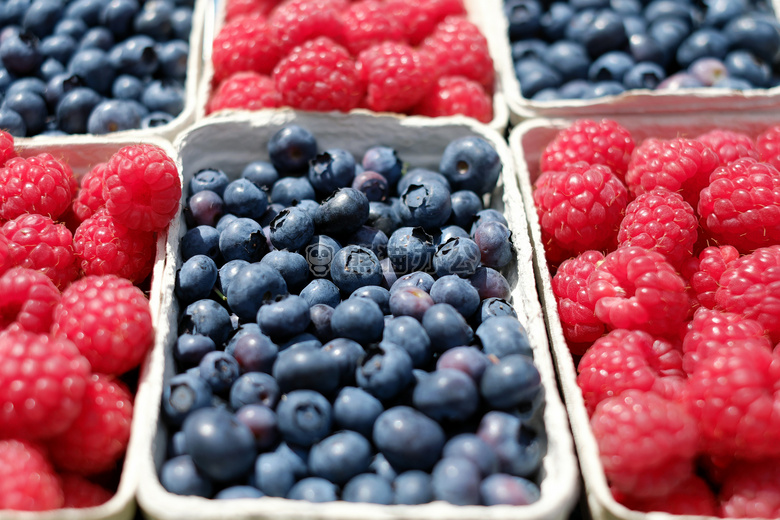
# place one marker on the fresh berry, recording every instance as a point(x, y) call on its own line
point(741, 205)
point(729, 145)
point(89, 198)
point(39, 184)
point(319, 75)
point(368, 23)
point(595, 142)
point(244, 44)
point(108, 319)
point(768, 146)
point(294, 22)
point(236, 8)
point(27, 300)
point(247, 90)
point(395, 75)
point(37, 242)
point(703, 273)
point(570, 285)
point(142, 187)
point(6, 147)
point(420, 17)
point(5, 254)
point(80, 492)
point(638, 289)
point(99, 435)
point(751, 490)
point(27, 479)
point(660, 220)
point(43, 385)
point(646, 443)
point(692, 497)
point(454, 95)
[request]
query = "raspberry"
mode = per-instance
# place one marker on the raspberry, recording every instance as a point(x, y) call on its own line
point(368, 23)
point(638, 289)
point(245, 90)
point(729, 145)
point(6, 147)
point(680, 164)
point(98, 437)
point(37, 242)
point(703, 273)
point(458, 48)
point(456, 95)
point(142, 187)
point(752, 490)
point(89, 198)
point(580, 207)
point(660, 220)
point(43, 384)
point(236, 8)
point(734, 393)
point(27, 300)
point(395, 77)
point(319, 75)
point(692, 497)
point(581, 327)
point(104, 246)
point(27, 479)
point(625, 359)
point(768, 146)
point(39, 184)
point(108, 319)
point(244, 44)
point(80, 492)
point(646, 443)
point(5, 254)
point(420, 17)
point(294, 22)
point(741, 205)
point(595, 142)
point(751, 287)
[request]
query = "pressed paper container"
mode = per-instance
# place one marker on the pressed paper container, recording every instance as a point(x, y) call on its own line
point(527, 142)
point(482, 12)
point(81, 154)
point(229, 143)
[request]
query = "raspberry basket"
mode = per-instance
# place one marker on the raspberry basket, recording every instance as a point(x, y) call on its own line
point(81, 153)
point(483, 13)
point(229, 142)
point(527, 142)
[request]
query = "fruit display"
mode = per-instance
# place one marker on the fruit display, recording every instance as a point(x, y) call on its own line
point(93, 66)
point(661, 248)
point(76, 323)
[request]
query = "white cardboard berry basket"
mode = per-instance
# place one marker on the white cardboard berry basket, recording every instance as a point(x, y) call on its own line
point(527, 142)
point(229, 142)
point(482, 12)
point(81, 154)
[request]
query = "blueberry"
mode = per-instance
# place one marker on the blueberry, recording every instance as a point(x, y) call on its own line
point(669, 33)
point(634, 25)
point(507, 489)
point(224, 221)
point(356, 410)
point(172, 56)
point(491, 307)
point(644, 47)
point(164, 96)
point(471, 163)
point(221, 446)
point(603, 30)
point(413, 487)
point(343, 212)
point(347, 355)
point(203, 209)
point(410, 249)
point(135, 56)
point(313, 489)
point(680, 80)
point(219, 370)
point(757, 35)
point(254, 351)
point(291, 229)
point(209, 318)
point(446, 327)
point(31, 107)
point(457, 292)
point(183, 394)
point(94, 68)
point(535, 76)
point(739, 64)
point(73, 27)
point(721, 12)
point(181, 22)
point(733, 84)
point(20, 53)
point(513, 382)
point(448, 232)
point(665, 9)
point(304, 417)
point(302, 340)
point(518, 447)
point(340, 457)
point(532, 48)
point(358, 319)
point(465, 205)
point(117, 16)
point(417, 279)
point(285, 317)
point(13, 11)
point(209, 179)
point(503, 336)
point(569, 58)
point(646, 75)
point(704, 43)
point(548, 94)
point(389, 276)
point(181, 476)
point(469, 446)
point(291, 149)
point(97, 38)
point(354, 267)
point(523, 17)
point(446, 395)
point(190, 349)
point(243, 239)
point(292, 266)
point(58, 46)
point(374, 185)
point(386, 373)
point(384, 161)
point(382, 468)
point(410, 335)
point(306, 368)
point(368, 488)
point(251, 286)
point(41, 17)
point(320, 315)
point(708, 70)
point(113, 116)
point(410, 301)
point(426, 205)
point(196, 278)
point(262, 174)
point(58, 86)
point(273, 474)
point(177, 445)
point(200, 240)
point(331, 170)
point(238, 492)
point(489, 283)
point(154, 19)
point(408, 438)
point(321, 291)
point(227, 272)
point(254, 388)
point(378, 295)
point(287, 191)
point(611, 66)
point(87, 11)
point(456, 480)
point(555, 20)
point(460, 256)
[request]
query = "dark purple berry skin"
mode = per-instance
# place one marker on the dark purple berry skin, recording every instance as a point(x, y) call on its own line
point(261, 420)
point(373, 184)
point(495, 245)
point(204, 208)
point(408, 438)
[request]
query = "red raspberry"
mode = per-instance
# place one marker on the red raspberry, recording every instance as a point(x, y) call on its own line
point(458, 48)
point(43, 384)
point(27, 300)
point(368, 23)
point(595, 142)
point(236, 8)
point(660, 220)
point(729, 145)
point(395, 76)
point(692, 497)
point(6, 147)
point(108, 319)
point(580, 325)
point(5, 254)
point(580, 207)
point(245, 90)
point(680, 164)
point(142, 187)
point(27, 479)
point(734, 393)
point(244, 44)
point(638, 289)
point(80, 492)
point(294, 22)
point(420, 17)
point(768, 146)
point(39, 184)
point(703, 273)
point(319, 75)
point(646, 443)
point(37, 242)
point(104, 246)
point(456, 95)
point(89, 198)
point(751, 490)
point(751, 287)
point(741, 205)
point(623, 360)
point(98, 437)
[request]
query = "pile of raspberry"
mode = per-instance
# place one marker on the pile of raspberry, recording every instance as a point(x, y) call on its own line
point(73, 325)
point(410, 56)
point(666, 262)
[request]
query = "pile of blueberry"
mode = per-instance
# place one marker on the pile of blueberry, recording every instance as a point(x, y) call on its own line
point(585, 49)
point(351, 339)
point(96, 66)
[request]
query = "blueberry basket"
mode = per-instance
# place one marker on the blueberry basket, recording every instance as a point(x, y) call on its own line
point(230, 142)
